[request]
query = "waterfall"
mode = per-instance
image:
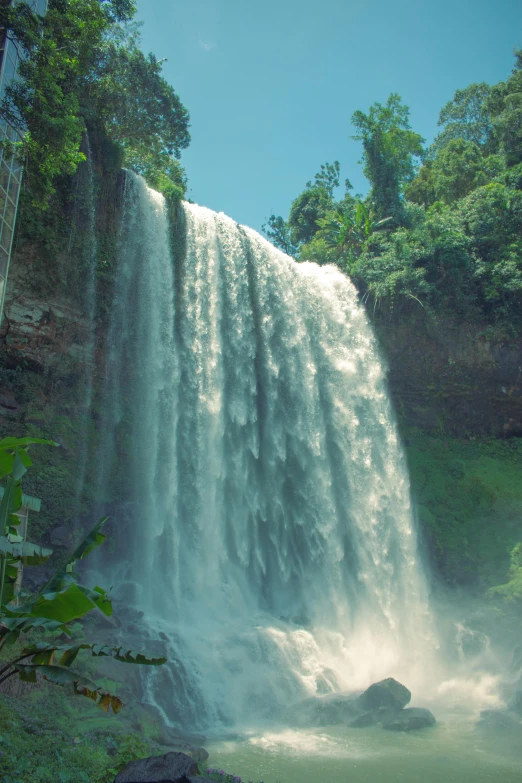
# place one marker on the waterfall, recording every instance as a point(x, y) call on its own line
point(272, 545)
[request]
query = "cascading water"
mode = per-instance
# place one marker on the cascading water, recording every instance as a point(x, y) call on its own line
point(89, 255)
point(273, 546)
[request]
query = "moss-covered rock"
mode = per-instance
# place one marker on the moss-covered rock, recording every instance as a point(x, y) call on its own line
point(468, 497)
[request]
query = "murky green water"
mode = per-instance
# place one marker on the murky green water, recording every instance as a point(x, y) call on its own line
point(452, 752)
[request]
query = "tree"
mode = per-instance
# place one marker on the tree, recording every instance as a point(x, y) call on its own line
point(311, 205)
point(466, 116)
point(136, 106)
point(458, 168)
point(59, 603)
point(277, 232)
point(327, 178)
point(391, 151)
point(82, 69)
point(492, 218)
point(505, 105)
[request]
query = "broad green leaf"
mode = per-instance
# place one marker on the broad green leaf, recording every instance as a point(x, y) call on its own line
point(24, 456)
point(6, 463)
point(99, 597)
point(21, 625)
point(5, 505)
point(64, 605)
point(15, 502)
point(92, 540)
point(19, 469)
point(22, 443)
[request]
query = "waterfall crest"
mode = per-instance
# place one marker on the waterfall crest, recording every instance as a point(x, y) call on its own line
point(273, 548)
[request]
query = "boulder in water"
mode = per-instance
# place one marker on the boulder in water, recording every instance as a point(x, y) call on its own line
point(386, 693)
point(409, 720)
point(170, 768)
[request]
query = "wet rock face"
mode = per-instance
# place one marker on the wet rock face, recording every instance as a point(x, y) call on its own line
point(455, 374)
point(42, 331)
point(388, 694)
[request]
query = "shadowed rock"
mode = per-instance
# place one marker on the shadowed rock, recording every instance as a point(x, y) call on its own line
point(170, 768)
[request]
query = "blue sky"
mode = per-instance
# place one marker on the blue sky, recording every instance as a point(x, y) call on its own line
point(271, 84)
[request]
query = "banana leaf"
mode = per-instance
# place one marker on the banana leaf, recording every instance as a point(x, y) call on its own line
point(60, 675)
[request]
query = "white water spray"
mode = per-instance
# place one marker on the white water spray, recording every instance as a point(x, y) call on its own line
point(273, 547)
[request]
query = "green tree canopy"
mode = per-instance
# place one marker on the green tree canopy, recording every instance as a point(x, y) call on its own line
point(458, 168)
point(83, 69)
point(466, 116)
point(505, 105)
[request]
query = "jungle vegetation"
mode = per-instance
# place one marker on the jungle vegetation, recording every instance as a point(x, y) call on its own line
point(441, 225)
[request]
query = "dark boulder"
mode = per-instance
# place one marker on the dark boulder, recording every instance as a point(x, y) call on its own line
point(170, 768)
point(62, 536)
point(409, 720)
point(499, 719)
point(386, 693)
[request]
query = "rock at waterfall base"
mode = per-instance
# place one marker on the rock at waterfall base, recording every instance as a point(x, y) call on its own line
point(386, 693)
point(499, 719)
point(170, 768)
point(372, 718)
point(395, 720)
point(410, 719)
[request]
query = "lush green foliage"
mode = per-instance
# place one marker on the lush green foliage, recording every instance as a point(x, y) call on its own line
point(84, 69)
point(46, 737)
point(446, 234)
point(512, 590)
point(60, 602)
